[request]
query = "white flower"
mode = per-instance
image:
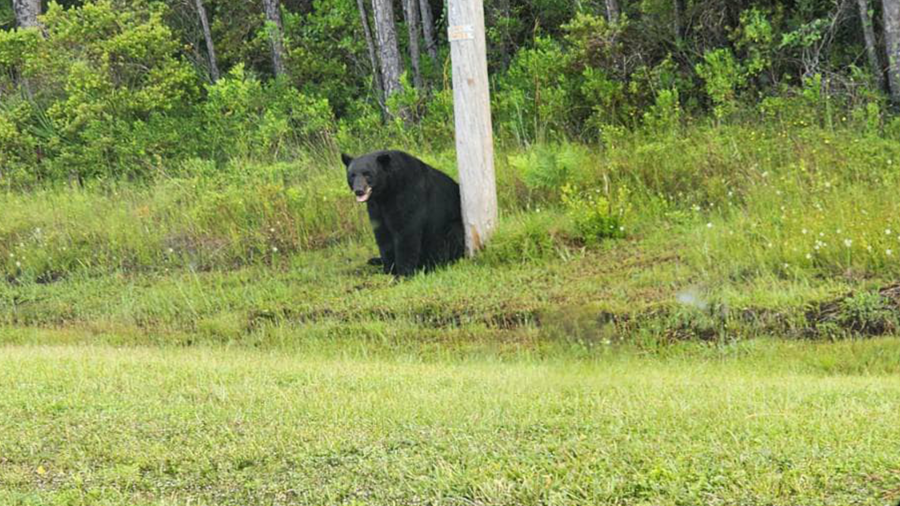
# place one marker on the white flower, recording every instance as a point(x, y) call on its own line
point(274, 249)
point(848, 242)
point(838, 231)
point(809, 256)
point(170, 251)
point(272, 230)
point(709, 225)
point(889, 252)
point(18, 264)
point(887, 232)
point(804, 231)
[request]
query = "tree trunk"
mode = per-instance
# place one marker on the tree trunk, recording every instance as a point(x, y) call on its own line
point(207, 34)
point(871, 49)
point(273, 18)
point(27, 12)
point(612, 10)
point(411, 11)
point(428, 29)
point(370, 43)
point(680, 6)
point(386, 33)
point(892, 41)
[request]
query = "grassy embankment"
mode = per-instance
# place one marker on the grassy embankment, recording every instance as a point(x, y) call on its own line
point(730, 232)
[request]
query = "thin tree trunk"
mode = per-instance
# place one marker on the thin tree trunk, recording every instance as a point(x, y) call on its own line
point(27, 12)
point(389, 53)
point(428, 29)
point(680, 6)
point(612, 10)
point(370, 43)
point(273, 16)
point(411, 11)
point(207, 34)
point(871, 50)
point(892, 41)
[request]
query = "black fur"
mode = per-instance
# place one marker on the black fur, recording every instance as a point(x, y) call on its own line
point(414, 210)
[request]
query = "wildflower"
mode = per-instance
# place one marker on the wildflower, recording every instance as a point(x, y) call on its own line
point(887, 231)
point(709, 225)
point(889, 252)
point(170, 251)
point(804, 231)
point(274, 249)
point(272, 230)
point(809, 256)
point(18, 264)
point(848, 242)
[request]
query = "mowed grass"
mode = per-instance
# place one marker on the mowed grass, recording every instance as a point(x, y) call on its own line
point(766, 423)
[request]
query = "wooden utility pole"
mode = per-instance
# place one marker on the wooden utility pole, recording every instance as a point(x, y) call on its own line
point(472, 115)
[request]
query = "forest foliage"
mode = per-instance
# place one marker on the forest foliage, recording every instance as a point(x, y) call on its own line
point(123, 88)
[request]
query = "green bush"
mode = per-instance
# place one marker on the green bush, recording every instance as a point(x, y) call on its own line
point(596, 216)
point(108, 88)
point(723, 76)
point(244, 118)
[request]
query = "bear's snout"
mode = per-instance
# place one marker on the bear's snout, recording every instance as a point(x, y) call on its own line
point(363, 195)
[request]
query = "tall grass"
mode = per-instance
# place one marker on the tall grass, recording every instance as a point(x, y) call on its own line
point(747, 199)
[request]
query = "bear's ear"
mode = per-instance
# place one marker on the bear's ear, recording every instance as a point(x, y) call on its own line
point(384, 160)
point(347, 159)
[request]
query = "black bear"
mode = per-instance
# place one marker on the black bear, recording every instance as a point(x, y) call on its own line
point(414, 210)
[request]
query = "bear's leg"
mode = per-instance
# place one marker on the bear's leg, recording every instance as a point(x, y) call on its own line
point(408, 249)
point(385, 242)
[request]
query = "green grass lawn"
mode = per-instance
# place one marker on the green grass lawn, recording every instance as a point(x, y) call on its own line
point(763, 422)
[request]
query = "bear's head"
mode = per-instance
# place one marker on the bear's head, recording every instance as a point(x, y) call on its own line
point(367, 175)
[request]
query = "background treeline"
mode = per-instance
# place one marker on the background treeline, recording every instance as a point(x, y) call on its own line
point(136, 88)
